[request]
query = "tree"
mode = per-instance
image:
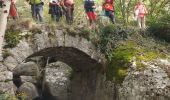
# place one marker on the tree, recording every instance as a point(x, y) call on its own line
point(3, 22)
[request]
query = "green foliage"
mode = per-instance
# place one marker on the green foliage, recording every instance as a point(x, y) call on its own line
point(12, 37)
point(109, 36)
point(85, 33)
point(124, 52)
point(161, 28)
point(6, 96)
point(119, 63)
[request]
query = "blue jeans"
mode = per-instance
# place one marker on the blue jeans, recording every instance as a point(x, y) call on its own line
point(37, 12)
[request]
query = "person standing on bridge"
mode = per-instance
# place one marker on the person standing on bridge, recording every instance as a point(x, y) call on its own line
point(89, 6)
point(140, 12)
point(69, 10)
point(55, 9)
point(108, 7)
point(13, 10)
point(37, 9)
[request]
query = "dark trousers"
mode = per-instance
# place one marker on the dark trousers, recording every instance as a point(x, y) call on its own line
point(69, 13)
point(56, 13)
point(37, 11)
point(55, 17)
point(110, 14)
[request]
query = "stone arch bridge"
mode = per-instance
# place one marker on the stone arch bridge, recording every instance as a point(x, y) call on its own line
point(76, 51)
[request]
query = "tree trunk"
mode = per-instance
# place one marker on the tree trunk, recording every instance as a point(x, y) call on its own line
point(3, 22)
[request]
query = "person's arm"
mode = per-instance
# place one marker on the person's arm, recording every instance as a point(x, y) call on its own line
point(145, 9)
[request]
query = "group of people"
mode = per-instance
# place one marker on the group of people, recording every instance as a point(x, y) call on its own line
point(58, 8)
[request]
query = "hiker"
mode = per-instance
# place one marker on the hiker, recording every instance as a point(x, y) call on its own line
point(108, 7)
point(13, 10)
point(55, 9)
point(89, 6)
point(69, 10)
point(140, 12)
point(37, 9)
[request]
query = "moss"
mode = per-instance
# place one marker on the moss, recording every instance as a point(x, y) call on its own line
point(119, 62)
point(12, 38)
point(140, 65)
point(120, 59)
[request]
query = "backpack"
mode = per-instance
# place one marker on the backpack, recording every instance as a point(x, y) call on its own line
point(89, 3)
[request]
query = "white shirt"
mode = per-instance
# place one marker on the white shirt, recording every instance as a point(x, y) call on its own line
point(51, 1)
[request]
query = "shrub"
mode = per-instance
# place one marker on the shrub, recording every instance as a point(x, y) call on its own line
point(6, 96)
point(12, 37)
point(161, 28)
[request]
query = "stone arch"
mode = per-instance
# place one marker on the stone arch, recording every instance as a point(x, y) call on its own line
point(75, 51)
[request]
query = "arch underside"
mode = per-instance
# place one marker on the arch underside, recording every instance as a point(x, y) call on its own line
point(75, 58)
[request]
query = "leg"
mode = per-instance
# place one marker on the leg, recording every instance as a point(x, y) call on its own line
point(40, 12)
point(72, 13)
point(139, 22)
point(111, 16)
point(143, 22)
point(67, 15)
point(33, 11)
point(53, 17)
point(89, 15)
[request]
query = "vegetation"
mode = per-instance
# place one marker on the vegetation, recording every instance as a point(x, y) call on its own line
point(12, 37)
point(122, 49)
point(6, 96)
point(160, 28)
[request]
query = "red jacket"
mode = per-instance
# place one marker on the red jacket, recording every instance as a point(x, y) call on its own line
point(108, 7)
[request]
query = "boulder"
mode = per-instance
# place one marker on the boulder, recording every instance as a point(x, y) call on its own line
point(152, 83)
point(10, 62)
point(27, 91)
point(31, 79)
point(26, 69)
point(57, 80)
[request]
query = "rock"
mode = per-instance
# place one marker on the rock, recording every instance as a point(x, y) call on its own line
point(7, 88)
point(31, 79)
point(2, 67)
point(28, 91)
point(57, 79)
point(27, 69)
point(6, 76)
point(6, 84)
point(10, 62)
point(149, 84)
point(21, 51)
